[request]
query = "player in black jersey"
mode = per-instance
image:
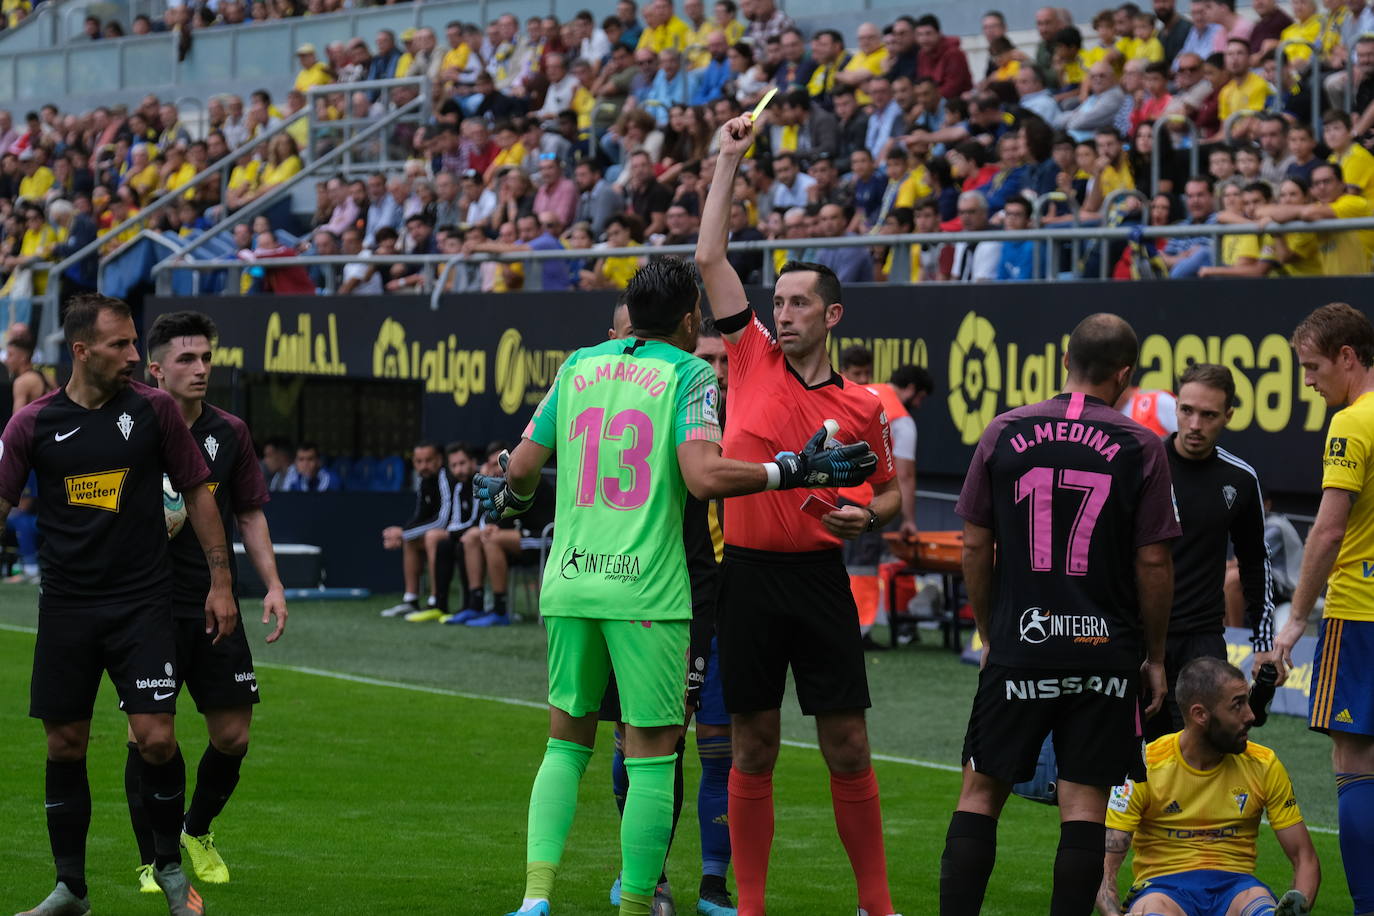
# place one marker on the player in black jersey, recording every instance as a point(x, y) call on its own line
point(1068, 514)
point(219, 676)
point(100, 447)
point(427, 460)
point(444, 545)
point(1219, 504)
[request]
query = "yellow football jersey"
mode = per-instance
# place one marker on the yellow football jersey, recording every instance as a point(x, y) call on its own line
point(1186, 819)
point(1347, 459)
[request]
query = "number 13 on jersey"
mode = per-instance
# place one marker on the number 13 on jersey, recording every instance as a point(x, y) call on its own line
point(632, 433)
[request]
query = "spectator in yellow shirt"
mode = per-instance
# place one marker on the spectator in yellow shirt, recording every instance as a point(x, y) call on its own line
point(1104, 24)
point(1245, 91)
point(1356, 162)
point(176, 171)
point(283, 161)
point(1295, 252)
point(37, 244)
point(1244, 255)
point(1341, 254)
point(663, 30)
point(725, 21)
point(511, 150)
point(868, 61)
point(615, 272)
point(699, 28)
point(38, 178)
point(1306, 27)
point(141, 175)
point(1144, 43)
point(313, 72)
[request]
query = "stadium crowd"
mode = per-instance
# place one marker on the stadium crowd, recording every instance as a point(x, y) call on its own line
point(592, 133)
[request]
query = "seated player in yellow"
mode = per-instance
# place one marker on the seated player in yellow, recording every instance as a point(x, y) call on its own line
point(1195, 821)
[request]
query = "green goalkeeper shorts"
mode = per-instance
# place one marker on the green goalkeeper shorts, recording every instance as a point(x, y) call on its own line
point(649, 658)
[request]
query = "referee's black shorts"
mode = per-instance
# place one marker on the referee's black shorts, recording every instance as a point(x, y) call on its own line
point(134, 641)
point(779, 609)
point(1093, 716)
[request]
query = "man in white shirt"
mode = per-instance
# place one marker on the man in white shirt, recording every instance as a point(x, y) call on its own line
point(562, 86)
point(975, 261)
point(790, 183)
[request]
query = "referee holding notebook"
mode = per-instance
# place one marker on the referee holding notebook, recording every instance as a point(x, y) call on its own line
point(784, 592)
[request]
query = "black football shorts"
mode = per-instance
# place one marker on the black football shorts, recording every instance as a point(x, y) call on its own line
point(1093, 716)
point(217, 676)
point(777, 610)
point(134, 641)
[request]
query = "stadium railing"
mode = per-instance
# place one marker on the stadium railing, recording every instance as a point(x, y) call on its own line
point(1314, 73)
point(58, 21)
point(445, 263)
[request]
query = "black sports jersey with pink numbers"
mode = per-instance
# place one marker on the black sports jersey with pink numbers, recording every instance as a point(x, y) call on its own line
point(100, 489)
point(1070, 488)
point(236, 480)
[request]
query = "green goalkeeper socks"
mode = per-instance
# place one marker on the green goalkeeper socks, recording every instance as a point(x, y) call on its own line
point(553, 801)
point(645, 830)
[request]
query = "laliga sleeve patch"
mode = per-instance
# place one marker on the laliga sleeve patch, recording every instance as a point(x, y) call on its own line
point(1121, 798)
point(710, 402)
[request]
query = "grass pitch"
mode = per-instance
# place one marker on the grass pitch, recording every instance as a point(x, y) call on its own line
point(391, 764)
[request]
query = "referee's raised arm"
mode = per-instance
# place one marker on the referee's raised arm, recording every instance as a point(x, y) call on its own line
point(724, 291)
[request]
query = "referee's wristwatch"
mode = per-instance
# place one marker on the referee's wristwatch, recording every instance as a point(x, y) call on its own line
point(872, 519)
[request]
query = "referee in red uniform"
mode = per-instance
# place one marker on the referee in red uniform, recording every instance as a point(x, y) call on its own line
point(784, 592)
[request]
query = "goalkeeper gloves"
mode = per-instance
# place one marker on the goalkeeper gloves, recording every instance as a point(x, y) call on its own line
point(1293, 903)
point(496, 496)
point(819, 466)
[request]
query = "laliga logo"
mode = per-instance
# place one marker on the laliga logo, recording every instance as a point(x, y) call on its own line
point(975, 377)
point(1033, 628)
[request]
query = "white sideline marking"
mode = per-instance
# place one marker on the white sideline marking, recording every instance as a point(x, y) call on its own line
point(530, 704)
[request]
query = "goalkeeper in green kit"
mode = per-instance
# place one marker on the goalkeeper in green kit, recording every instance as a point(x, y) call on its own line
point(635, 424)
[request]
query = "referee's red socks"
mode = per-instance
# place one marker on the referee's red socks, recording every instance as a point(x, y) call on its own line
point(859, 819)
point(751, 836)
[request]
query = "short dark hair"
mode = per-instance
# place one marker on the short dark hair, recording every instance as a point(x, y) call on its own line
point(308, 447)
point(930, 21)
point(1335, 115)
point(1201, 681)
point(82, 312)
point(1262, 188)
point(22, 340)
point(1068, 36)
point(428, 443)
point(1018, 201)
point(467, 448)
point(1337, 325)
point(857, 355)
point(1100, 346)
point(827, 284)
point(172, 325)
point(1213, 376)
point(1337, 172)
point(660, 293)
point(912, 374)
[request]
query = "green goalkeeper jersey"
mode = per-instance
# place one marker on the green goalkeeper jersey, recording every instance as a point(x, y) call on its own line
point(615, 415)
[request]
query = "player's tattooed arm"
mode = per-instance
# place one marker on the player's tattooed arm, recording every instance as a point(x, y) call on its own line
point(1118, 844)
point(221, 611)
